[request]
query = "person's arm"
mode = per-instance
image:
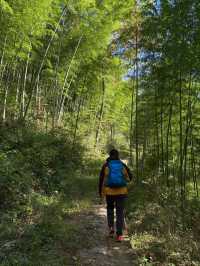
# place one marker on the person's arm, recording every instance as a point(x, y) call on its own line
point(101, 179)
point(128, 172)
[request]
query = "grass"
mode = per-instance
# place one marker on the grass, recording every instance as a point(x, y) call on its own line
point(46, 234)
point(158, 230)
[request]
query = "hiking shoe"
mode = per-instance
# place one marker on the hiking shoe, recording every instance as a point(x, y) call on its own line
point(120, 238)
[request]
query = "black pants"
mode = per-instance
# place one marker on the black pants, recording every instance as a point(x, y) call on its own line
point(118, 202)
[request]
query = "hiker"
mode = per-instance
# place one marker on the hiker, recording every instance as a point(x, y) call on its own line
point(113, 180)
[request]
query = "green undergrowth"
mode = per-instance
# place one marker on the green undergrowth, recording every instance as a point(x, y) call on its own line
point(42, 190)
point(163, 231)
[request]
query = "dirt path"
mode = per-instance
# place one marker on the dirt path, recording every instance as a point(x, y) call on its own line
point(100, 250)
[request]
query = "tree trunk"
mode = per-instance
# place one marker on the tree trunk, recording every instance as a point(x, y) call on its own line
point(131, 123)
point(2, 57)
point(181, 139)
point(161, 136)
point(101, 113)
point(194, 172)
point(24, 86)
point(17, 107)
point(167, 144)
point(5, 103)
point(81, 100)
point(136, 106)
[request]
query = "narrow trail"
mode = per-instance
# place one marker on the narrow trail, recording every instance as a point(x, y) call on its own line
point(100, 250)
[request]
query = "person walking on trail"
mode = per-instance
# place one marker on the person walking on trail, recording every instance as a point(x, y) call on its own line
point(113, 180)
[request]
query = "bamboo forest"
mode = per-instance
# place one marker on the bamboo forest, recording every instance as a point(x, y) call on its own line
point(79, 79)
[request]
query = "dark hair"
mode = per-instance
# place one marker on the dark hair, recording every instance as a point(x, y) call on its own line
point(114, 154)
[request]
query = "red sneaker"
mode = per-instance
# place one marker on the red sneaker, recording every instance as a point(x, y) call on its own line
point(120, 238)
